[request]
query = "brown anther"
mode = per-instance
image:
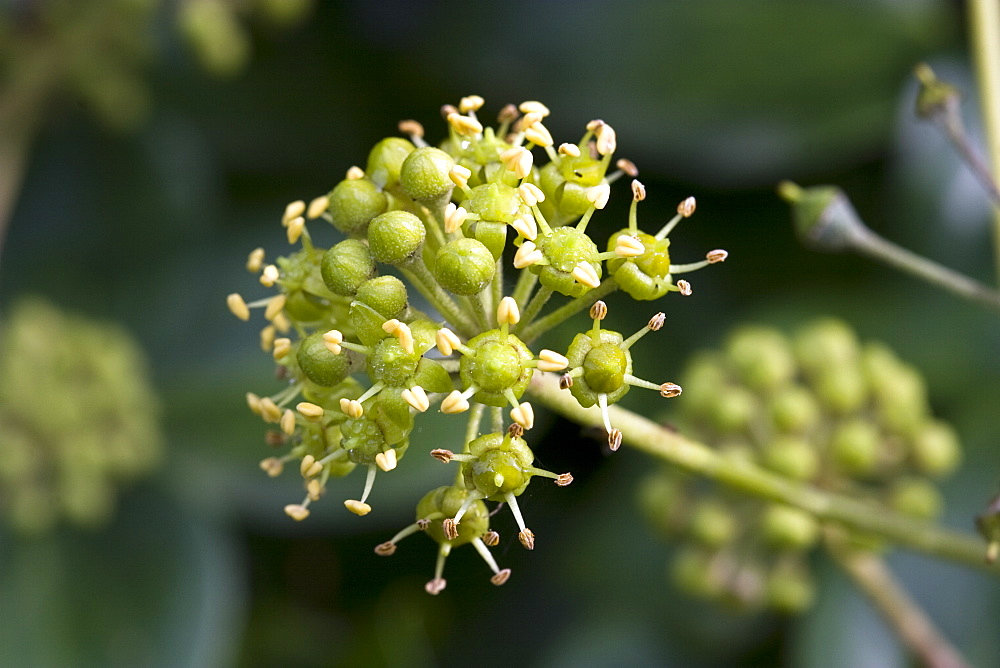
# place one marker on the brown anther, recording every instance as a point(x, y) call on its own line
point(508, 114)
point(565, 381)
point(422, 524)
point(491, 538)
point(670, 390)
point(411, 127)
point(385, 549)
point(615, 439)
point(684, 288)
point(435, 586)
point(656, 322)
point(638, 191)
point(272, 466)
point(599, 311)
point(628, 167)
point(501, 577)
point(450, 528)
point(274, 438)
point(687, 207)
point(515, 430)
point(527, 539)
point(447, 110)
point(564, 479)
point(442, 455)
point(717, 255)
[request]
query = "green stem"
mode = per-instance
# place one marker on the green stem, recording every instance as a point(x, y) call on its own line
point(422, 279)
point(526, 282)
point(497, 288)
point(669, 446)
point(984, 25)
point(539, 300)
point(567, 310)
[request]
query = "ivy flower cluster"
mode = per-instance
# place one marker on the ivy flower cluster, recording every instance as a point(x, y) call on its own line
point(361, 362)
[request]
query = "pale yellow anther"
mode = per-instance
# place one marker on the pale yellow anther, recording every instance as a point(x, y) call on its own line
point(310, 411)
point(595, 124)
point(530, 194)
point(295, 228)
point(447, 341)
point(274, 306)
point(538, 134)
point(238, 307)
point(687, 207)
point(638, 191)
point(314, 490)
point(585, 274)
point(470, 103)
point(534, 107)
point(529, 119)
point(296, 511)
point(354, 173)
point(684, 288)
point(607, 140)
point(269, 410)
point(293, 210)
point(332, 341)
point(281, 348)
point(287, 423)
point(628, 246)
point(317, 206)
point(717, 255)
point(411, 127)
point(454, 403)
point(454, 217)
point(598, 195)
point(309, 467)
point(526, 227)
point(267, 335)
point(402, 333)
point(269, 276)
point(518, 160)
point(572, 150)
point(281, 323)
point(386, 460)
point(416, 397)
point(255, 260)
point(253, 403)
point(507, 312)
point(460, 176)
point(272, 466)
point(527, 255)
point(358, 508)
point(351, 408)
point(464, 125)
point(550, 360)
point(524, 415)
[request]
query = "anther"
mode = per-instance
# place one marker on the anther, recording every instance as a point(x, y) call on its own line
point(530, 193)
point(255, 260)
point(717, 255)
point(518, 160)
point(534, 107)
point(628, 167)
point(595, 124)
point(656, 322)
point(309, 467)
point(310, 411)
point(549, 360)
point(464, 125)
point(293, 210)
point(572, 150)
point(351, 408)
point(435, 586)
point(598, 195)
point(538, 134)
point(386, 460)
point(332, 341)
point(564, 479)
point(442, 455)
point(500, 577)
point(354, 173)
point(296, 226)
point(274, 306)
point(411, 127)
point(454, 217)
point(684, 288)
point(317, 206)
point(638, 191)
point(460, 176)
point(450, 528)
point(287, 423)
point(273, 438)
point(314, 490)
point(584, 273)
point(670, 390)
point(296, 511)
point(508, 114)
point(515, 430)
point(527, 539)
point(523, 415)
point(402, 332)
point(565, 381)
point(687, 207)
point(272, 466)
point(447, 110)
point(614, 439)
point(447, 341)
point(491, 538)
point(267, 335)
point(281, 348)
point(269, 411)
point(599, 311)
point(269, 276)
point(357, 507)
point(454, 403)
point(628, 246)
point(527, 255)
point(470, 103)
point(416, 397)
point(507, 312)
point(386, 549)
point(607, 140)
point(526, 227)
point(238, 307)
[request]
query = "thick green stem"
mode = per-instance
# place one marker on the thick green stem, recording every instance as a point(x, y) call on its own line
point(647, 436)
point(539, 300)
point(984, 25)
point(558, 316)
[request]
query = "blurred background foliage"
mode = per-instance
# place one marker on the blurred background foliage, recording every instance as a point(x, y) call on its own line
point(159, 144)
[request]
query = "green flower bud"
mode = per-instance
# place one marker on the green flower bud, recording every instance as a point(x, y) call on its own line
point(789, 528)
point(496, 202)
point(917, 497)
point(390, 364)
point(445, 502)
point(385, 294)
point(464, 266)
point(385, 161)
point(826, 344)
point(346, 266)
point(319, 364)
point(735, 408)
point(824, 218)
point(794, 410)
point(395, 236)
point(762, 357)
point(353, 204)
point(692, 572)
point(791, 456)
point(855, 447)
point(424, 175)
point(790, 589)
point(704, 378)
point(712, 523)
point(497, 365)
point(564, 248)
point(936, 450)
point(502, 466)
point(841, 390)
point(659, 496)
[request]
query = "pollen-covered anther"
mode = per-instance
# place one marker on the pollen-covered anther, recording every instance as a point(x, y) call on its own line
point(274, 307)
point(309, 467)
point(454, 403)
point(529, 119)
point(295, 228)
point(454, 217)
point(607, 140)
point(507, 312)
point(386, 549)
point(628, 167)
point(442, 455)
point(526, 227)
point(310, 411)
point(565, 381)
point(447, 341)
point(314, 490)
point(287, 423)
point(460, 176)
point(447, 110)
point(638, 190)
point(514, 430)
point(272, 466)
point(564, 479)
point(615, 439)
point(500, 577)
point(550, 360)
point(281, 323)
point(402, 333)
point(281, 348)
point(238, 307)
point(599, 310)
point(386, 460)
point(355, 173)
point(670, 390)
point(687, 207)
point(450, 528)
point(656, 322)
point(357, 507)
point(267, 335)
point(523, 415)
point(538, 134)
point(293, 210)
point(572, 150)
point(351, 408)
point(332, 341)
point(628, 246)
point(598, 195)
point(527, 255)
point(534, 107)
point(470, 103)
point(530, 194)
point(684, 287)
point(507, 114)
point(464, 125)
point(411, 127)
point(491, 538)
point(253, 403)
point(416, 397)
point(269, 276)
point(527, 539)
point(585, 274)
point(435, 586)
point(518, 160)
point(317, 206)
point(296, 511)
point(717, 255)
point(269, 410)
point(255, 260)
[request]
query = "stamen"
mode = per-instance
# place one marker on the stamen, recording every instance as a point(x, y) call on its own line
point(386, 460)
point(309, 467)
point(464, 125)
point(614, 439)
point(507, 312)
point(281, 348)
point(332, 341)
point(269, 410)
point(269, 276)
point(717, 255)
point(628, 246)
point(530, 193)
point(518, 160)
point(491, 538)
point(454, 403)
point(255, 260)
point(287, 422)
point(460, 176)
point(412, 128)
point(687, 207)
point(638, 191)
point(238, 307)
point(296, 226)
point(274, 307)
point(402, 333)
point(572, 150)
point(272, 466)
point(539, 135)
point(447, 341)
point(599, 311)
point(386, 549)
point(527, 255)
point(470, 103)
point(549, 360)
point(583, 272)
point(684, 288)
point(351, 408)
point(317, 207)
point(565, 381)
point(442, 455)
point(296, 511)
point(454, 217)
point(628, 167)
point(598, 195)
point(355, 173)
point(310, 411)
point(670, 390)
point(534, 107)
point(523, 415)
point(416, 397)
point(293, 210)
point(526, 227)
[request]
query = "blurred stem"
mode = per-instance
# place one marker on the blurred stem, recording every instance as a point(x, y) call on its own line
point(15, 143)
point(673, 448)
point(870, 573)
point(984, 25)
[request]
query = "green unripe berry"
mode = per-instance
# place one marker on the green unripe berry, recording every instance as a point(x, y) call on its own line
point(385, 161)
point(395, 236)
point(936, 450)
point(305, 307)
point(346, 266)
point(353, 204)
point(319, 364)
point(464, 266)
point(793, 410)
point(826, 344)
point(500, 466)
point(702, 382)
point(445, 502)
point(691, 570)
point(604, 364)
point(424, 174)
point(855, 447)
point(791, 456)
point(917, 497)
point(498, 364)
point(658, 497)
point(841, 390)
point(712, 523)
point(790, 590)
point(762, 357)
point(385, 294)
point(789, 528)
point(734, 409)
